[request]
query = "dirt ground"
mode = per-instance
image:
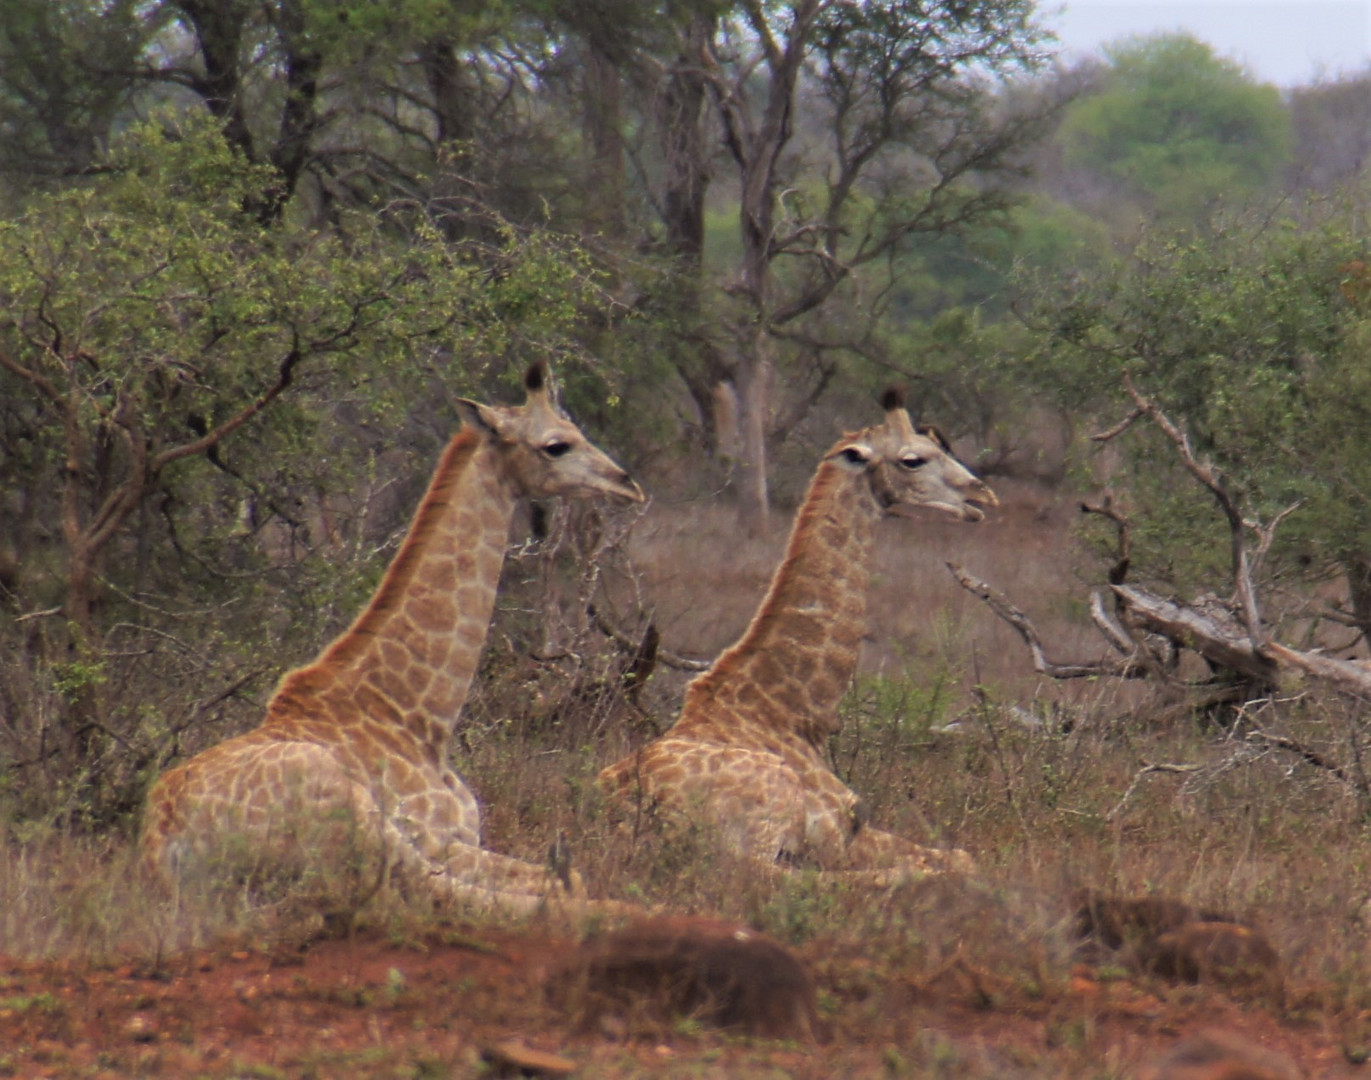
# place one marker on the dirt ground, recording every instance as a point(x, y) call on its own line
point(379, 1005)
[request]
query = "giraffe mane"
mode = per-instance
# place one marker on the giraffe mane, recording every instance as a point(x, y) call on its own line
point(390, 593)
point(812, 516)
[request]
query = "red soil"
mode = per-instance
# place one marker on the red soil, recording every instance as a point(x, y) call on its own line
point(378, 1006)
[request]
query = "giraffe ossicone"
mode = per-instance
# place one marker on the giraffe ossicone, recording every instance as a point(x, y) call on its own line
point(351, 759)
point(746, 756)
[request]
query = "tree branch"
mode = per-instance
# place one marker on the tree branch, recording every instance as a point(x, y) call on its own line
point(1199, 631)
point(671, 660)
point(1214, 482)
point(1000, 605)
point(216, 435)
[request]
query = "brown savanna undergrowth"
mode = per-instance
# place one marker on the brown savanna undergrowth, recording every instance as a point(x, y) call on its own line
point(950, 736)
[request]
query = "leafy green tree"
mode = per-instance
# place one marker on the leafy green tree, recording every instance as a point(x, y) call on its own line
point(1174, 126)
point(169, 363)
point(1255, 337)
point(66, 76)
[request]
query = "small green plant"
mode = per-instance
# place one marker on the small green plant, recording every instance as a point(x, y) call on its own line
point(42, 1002)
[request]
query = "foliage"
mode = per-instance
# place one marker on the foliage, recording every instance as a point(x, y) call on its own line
point(1254, 335)
point(1178, 127)
point(192, 403)
point(65, 80)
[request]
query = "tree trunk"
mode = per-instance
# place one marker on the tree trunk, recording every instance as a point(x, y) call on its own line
point(754, 395)
point(600, 94)
point(686, 149)
point(756, 145)
point(1358, 570)
point(299, 118)
point(451, 95)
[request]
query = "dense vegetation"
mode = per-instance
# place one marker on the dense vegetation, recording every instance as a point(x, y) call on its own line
point(247, 251)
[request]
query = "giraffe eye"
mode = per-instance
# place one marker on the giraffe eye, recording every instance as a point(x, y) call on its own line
point(557, 448)
point(854, 455)
point(913, 461)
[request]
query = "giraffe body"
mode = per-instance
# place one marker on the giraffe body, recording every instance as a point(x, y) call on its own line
point(354, 747)
point(746, 754)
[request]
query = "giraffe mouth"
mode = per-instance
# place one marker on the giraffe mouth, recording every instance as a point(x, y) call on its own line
point(970, 510)
point(626, 490)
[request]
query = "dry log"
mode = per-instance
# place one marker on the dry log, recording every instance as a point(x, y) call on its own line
point(1222, 646)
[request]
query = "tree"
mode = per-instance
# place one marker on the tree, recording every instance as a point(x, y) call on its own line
point(902, 138)
point(149, 325)
point(1175, 126)
point(65, 78)
point(1332, 143)
point(1254, 339)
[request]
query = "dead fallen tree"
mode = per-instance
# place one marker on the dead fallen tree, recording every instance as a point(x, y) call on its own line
point(1146, 632)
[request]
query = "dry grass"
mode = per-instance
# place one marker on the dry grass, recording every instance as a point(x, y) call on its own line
point(936, 739)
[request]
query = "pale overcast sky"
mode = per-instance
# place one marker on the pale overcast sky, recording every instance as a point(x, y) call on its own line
point(1286, 42)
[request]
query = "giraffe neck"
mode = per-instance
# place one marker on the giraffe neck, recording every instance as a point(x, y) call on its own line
point(792, 666)
point(410, 656)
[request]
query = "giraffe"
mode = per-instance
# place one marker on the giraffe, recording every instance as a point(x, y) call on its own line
point(746, 753)
point(355, 745)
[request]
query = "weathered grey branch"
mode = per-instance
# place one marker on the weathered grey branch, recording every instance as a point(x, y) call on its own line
point(670, 659)
point(1112, 631)
point(1127, 667)
point(1345, 674)
point(1196, 630)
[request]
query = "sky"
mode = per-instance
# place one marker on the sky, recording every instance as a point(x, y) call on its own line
point(1286, 42)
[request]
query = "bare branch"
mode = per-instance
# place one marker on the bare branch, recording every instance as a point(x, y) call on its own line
point(44, 614)
point(1220, 645)
point(1119, 428)
point(1267, 533)
point(1000, 605)
point(216, 435)
point(44, 384)
point(1112, 631)
point(1345, 674)
point(1214, 481)
point(1310, 757)
point(1147, 769)
point(671, 660)
point(1119, 571)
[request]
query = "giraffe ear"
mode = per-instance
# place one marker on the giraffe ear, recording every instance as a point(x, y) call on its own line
point(536, 377)
point(936, 434)
point(541, 387)
point(481, 417)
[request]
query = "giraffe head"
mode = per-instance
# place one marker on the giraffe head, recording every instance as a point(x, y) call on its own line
point(545, 452)
point(909, 467)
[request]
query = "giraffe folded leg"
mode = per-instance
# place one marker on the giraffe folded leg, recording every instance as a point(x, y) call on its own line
point(875, 851)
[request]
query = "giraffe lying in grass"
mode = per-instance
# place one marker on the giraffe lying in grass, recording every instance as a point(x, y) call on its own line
point(353, 752)
point(747, 753)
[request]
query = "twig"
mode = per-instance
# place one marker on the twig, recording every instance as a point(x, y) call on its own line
point(1148, 767)
point(1119, 428)
point(1001, 606)
point(1267, 533)
point(1310, 757)
point(670, 659)
point(46, 613)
